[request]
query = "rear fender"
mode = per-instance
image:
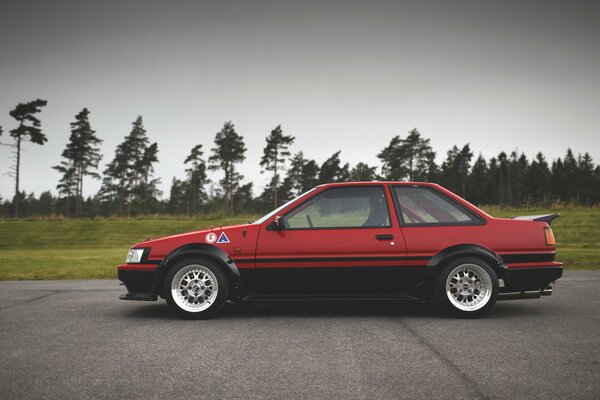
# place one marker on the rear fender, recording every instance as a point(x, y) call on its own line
point(441, 259)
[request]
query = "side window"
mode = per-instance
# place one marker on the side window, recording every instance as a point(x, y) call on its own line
point(424, 206)
point(344, 207)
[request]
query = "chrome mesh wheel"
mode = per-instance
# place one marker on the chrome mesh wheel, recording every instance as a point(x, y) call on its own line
point(469, 287)
point(194, 288)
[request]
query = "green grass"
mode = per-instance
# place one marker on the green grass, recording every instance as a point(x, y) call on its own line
point(81, 249)
point(91, 249)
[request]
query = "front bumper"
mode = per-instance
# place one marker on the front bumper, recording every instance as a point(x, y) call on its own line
point(139, 279)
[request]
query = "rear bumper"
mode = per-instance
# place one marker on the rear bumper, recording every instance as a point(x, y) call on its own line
point(139, 279)
point(532, 276)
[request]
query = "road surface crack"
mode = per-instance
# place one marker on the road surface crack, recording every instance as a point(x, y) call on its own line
point(29, 300)
point(472, 385)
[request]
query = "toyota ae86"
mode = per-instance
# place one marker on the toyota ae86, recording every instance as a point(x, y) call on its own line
point(360, 240)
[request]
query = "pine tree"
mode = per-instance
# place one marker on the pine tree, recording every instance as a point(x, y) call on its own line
point(518, 165)
point(409, 158)
point(417, 152)
point(196, 178)
point(558, 180)
point(116, 183)
point(588, 191)
point(332, 170)
point(302, 174)
point(46, 203)
point(228, 151)
point(128, 176)
point(493, 183)
point(177, 200)
point(274, 156)
point(243, 198)
point(67, 185)
point(538, 179)
point(477, 181)
point(455, 169)
point(145, 188)
point(82, 153)
point(363, 172)
point(504, 185)
point(29, 129)
point(392, 160)
point(570, 176)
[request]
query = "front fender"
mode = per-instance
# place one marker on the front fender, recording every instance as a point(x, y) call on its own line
point(197, 249)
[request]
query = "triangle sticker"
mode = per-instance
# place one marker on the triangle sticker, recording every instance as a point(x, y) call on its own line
point(223, 238)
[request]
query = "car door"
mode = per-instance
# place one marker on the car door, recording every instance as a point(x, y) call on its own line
point(341, 240)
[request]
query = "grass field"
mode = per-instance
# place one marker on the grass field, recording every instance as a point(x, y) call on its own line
point(90, 249)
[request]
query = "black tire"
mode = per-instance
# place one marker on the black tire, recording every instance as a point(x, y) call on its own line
point(471, 299)
point(202, 278)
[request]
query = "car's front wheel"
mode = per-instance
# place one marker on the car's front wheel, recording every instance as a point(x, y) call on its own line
point(196, 288)
point(467, 287)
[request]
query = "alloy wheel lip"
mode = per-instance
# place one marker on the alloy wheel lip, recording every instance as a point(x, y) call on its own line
point(178, 287)
point(469, 286)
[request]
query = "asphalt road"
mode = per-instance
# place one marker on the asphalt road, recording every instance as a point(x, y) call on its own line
point(76, 340)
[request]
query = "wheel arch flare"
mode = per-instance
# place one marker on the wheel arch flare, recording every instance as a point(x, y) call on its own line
point(197, 250)
point(443, 257)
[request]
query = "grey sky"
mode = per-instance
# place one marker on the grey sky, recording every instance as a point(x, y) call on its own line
point(337, 75)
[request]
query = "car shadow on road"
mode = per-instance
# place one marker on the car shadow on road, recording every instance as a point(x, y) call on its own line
point(329, 309)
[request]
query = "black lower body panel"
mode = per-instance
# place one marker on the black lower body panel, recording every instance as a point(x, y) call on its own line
point(332, 280)
point(139, 284)
point(531, 278)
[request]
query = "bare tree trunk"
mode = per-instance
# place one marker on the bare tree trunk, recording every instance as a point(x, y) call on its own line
point(68, 205)
point(121, 199)
point(275, 190)
point(17, 200)
point(78, 193)
point(80, 190)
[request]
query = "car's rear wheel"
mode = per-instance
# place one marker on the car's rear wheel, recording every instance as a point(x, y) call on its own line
point(467, 287)
point(196, 288)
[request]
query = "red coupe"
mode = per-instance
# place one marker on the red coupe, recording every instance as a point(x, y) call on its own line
point(383, 240)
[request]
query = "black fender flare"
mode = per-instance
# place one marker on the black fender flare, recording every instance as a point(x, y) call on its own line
point(439, 260)
point(197, 249)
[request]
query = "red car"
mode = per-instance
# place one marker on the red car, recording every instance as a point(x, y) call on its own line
point(400, 240)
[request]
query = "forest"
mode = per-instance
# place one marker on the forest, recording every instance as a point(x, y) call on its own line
point(130, 188)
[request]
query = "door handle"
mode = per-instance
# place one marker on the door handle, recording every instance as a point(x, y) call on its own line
point(384, 237)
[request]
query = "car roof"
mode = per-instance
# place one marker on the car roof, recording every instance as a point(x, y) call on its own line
point(365, 183)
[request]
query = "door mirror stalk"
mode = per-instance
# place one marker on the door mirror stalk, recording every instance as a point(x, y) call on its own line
point(279, 223)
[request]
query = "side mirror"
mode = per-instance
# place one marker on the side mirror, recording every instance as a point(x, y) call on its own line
point(279, 223)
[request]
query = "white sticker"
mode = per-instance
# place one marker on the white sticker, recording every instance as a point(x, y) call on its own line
point(210, 237)
point(223, 238)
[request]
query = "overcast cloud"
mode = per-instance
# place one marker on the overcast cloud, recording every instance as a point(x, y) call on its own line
point(337, 75)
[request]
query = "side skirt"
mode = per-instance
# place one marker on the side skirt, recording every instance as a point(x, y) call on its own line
point(404, 297)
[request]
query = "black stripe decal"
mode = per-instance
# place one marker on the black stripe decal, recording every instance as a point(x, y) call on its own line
point(527, 257)
point(330, 268)
point(327, 259)
point(507, 258)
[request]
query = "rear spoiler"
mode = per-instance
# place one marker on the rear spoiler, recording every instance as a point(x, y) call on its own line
point(543, 218)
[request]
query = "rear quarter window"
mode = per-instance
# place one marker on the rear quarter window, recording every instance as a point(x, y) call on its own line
point(420, 206)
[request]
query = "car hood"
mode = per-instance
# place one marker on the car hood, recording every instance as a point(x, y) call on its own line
point(192, 237)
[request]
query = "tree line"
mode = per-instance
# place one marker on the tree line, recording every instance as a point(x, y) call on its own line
point(129, 187)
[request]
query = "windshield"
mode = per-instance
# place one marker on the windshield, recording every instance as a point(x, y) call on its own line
point(275, 211)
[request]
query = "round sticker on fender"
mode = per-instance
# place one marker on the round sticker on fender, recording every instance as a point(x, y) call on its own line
point(210, 237)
